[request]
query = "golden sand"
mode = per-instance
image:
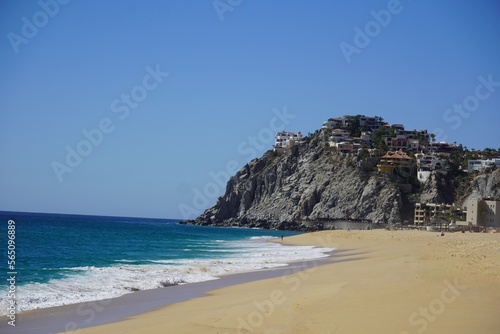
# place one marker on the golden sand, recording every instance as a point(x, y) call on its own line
point(400, 282)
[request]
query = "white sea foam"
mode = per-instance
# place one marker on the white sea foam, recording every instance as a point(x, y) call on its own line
point(93, 283)
point(265, 237)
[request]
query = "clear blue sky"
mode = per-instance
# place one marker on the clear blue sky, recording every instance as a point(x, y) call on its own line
point(87, 65)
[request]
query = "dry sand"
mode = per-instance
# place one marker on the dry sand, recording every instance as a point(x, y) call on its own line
point(378, 282)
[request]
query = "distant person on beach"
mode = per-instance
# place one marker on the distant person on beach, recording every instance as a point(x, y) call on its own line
point(282, 237)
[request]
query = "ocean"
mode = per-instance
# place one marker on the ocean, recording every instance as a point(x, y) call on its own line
point(65, 259)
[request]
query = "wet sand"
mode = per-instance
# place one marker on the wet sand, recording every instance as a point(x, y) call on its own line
point(379, 281)
point(72, 318)
point(384, 282)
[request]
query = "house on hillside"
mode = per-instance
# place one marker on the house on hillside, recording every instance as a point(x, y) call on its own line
point(478, 165)
point(334, 123)
point(339, 136)
point(284, 140)
point(400, 142)
point(392, 160)
point(442, 149)
point(369, 123)
point(428, 164)
point(348, 147)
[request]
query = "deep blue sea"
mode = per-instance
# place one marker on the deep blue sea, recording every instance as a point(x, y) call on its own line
point(64, 259)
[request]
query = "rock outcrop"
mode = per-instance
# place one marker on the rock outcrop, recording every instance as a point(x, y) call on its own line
point(308, 182)
point(438, 189)
point(483, 185)
point(311, 182)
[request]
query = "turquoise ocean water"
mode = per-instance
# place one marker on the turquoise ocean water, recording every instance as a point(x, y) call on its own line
point(64, 259)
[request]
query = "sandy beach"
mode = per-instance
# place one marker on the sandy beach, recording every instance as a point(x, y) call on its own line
point(379, 281)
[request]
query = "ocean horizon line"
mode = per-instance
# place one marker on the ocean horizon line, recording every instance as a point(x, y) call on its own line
point(6, 212)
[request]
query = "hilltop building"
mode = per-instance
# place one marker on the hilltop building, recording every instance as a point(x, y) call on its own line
point(285, 140)
point(334, 123)
point(371, 123)
point(368, 122)
point(397, 127)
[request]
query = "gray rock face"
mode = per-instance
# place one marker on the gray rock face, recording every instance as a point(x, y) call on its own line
point(309, 181)
point(438, 189)
point(484, 185)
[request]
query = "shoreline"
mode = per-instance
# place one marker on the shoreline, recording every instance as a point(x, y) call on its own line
point(401, 282)
point(74, 317)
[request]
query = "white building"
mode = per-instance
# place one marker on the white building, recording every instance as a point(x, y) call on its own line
point(334, 123)
point(474, 165)
point(287, 139)
point(429, 163)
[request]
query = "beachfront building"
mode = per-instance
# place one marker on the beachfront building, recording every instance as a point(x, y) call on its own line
point(285, 140)
point(424, 212)
point(478, 165)
point(392, 160)
point(483, 213)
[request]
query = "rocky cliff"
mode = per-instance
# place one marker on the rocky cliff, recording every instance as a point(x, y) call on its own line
point(479, 186)
point(307, 182)
point(312, 181)
point(460, 189)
